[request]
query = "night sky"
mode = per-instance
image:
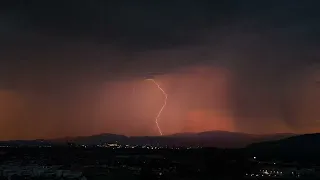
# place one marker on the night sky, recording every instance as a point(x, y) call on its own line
point(71, 68)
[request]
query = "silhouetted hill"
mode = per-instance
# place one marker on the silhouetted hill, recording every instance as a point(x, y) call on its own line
point(219, 139)
point(94, 139)
point(222, 139)
point(304, 148)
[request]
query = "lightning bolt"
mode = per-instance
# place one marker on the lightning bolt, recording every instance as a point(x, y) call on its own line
point(163, 106)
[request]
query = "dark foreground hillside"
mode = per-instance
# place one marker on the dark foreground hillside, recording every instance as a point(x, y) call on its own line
point(290, 158)
point(302, 148)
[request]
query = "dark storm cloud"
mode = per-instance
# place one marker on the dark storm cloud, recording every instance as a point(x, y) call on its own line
point(148, 25)
point(142, 24)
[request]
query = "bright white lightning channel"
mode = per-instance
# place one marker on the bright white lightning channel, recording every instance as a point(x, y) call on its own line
point(164, 104)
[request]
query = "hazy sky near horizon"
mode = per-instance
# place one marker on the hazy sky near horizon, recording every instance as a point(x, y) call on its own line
point(72, 68)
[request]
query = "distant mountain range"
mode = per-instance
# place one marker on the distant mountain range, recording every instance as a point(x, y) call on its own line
point(278, 147)
point(220, 139)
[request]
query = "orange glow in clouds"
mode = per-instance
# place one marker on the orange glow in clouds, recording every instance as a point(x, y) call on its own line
point(208, 120)
point(199, 99)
